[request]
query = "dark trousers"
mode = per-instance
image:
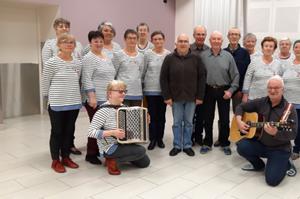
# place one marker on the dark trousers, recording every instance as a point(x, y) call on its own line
point(132, 153)
point(92, 146)
point(197, 135)
point(296, 148)
point(157, 111)
point(132, 102)
point(62, 131)
point(213, 95)
point(277, 160)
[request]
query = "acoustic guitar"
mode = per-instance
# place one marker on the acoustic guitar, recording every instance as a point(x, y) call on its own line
point(256, 127)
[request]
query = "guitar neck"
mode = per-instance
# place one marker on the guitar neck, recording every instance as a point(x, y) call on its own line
point(261, 124)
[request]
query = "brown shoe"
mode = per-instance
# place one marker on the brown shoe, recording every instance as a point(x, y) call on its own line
point(69, 163)
point(112, 167)
point(57, 166)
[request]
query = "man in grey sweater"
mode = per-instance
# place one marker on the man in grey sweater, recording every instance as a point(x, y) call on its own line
point(182, 81)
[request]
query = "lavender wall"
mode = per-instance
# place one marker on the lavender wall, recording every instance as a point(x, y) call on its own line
point(86, 15)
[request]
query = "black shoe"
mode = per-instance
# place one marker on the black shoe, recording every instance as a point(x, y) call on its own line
point(160, 144)
point(152, 145)
point(92, 159)
point(189, 151)
point(217, 144)
point(174, 152)
point(75, 151)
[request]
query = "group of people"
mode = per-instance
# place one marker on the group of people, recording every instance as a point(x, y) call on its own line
point(191, 79)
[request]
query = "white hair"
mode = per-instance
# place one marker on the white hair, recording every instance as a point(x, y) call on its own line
point(276, 77)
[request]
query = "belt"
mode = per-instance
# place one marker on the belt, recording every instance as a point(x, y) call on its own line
point(218, 86)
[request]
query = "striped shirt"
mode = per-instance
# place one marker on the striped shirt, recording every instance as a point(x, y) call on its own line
point(287, 61)
point(109, 53)
point(129, 69)
point(61, 83)
point(257, 74)
point(50, 49)
point(153, 63)
point(96, 74)
point(291, 77)
point(104, 119)
point(143, 50)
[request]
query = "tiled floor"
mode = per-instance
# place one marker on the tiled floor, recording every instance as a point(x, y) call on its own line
point(25, 170)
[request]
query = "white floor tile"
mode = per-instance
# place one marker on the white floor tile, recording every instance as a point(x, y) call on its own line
point(10, 186)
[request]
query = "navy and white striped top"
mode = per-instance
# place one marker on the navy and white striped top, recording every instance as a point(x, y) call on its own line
point(143, 50)
point(104, 119)
point(109, 53)
point(129, 70)
point(96, 74)
point(50, 49)
point(291, 77)
point(153, 63)
point(61, 83)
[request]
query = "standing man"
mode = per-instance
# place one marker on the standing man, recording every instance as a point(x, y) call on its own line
point(197, 48)
point(182, 80)
point(222, 82)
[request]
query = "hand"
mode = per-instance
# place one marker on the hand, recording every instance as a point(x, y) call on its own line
point(239, 94)
point(271, 130)
point(227, 95)
point(169, 102)
point(118, 133)
point(243, 127)
point(245, 98)
point(148, 118)
point(199, 101)
point(92, 102)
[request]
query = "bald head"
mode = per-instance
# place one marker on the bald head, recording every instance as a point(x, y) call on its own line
point(182, 44)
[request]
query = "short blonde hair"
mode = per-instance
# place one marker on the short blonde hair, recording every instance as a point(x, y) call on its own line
point(115, 84)
point(66, 37)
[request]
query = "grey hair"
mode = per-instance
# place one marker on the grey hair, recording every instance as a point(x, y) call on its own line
point(276, 77)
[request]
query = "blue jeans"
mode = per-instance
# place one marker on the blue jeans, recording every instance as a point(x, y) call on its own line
point(183, 113)
point(277, 160)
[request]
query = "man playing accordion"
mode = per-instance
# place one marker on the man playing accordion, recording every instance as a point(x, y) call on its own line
point(104, 128)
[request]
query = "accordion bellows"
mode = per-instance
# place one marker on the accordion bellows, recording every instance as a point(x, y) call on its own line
point(133, 120)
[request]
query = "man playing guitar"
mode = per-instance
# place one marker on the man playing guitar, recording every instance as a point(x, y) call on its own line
point(273, 143)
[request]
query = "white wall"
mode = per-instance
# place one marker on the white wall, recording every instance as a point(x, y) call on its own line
point(184, 18)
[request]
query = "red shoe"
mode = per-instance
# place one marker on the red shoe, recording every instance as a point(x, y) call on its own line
point(57, 166)
point(112, 167)
point(69, 163)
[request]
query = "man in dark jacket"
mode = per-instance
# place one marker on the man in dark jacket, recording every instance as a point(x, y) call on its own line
point(182, 81)
point(274, 143)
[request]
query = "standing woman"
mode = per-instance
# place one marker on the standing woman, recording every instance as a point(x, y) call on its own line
point(291, 77)
point(50, 49)
point(143, 43)
point(129, 65)
point(61, 76)
point(260, 70)
point(249, 42)
point(156, 106)
point(97, 72)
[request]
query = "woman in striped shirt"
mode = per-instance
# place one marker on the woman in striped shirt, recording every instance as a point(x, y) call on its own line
point(129, 65)
point(157, 108)
point(291, 77)
point(50, 49)
point(61, 76)
point(97, 72)
point(260, 70)
point(104, 128)
point(143, 43)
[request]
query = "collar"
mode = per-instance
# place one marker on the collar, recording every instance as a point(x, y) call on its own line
point(185, 56)
point(280, 105)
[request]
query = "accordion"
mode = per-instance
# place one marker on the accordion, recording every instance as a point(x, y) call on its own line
point(133, 120)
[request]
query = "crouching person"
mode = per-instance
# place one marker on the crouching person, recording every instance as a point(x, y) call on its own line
point(104, 128)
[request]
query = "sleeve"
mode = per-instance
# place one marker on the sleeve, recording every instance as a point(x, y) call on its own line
point(78, 50)
point(249, 77)
point(201, 78)
point(48, 73)
point(47, 52)
point(145, 66)
point(234, 75)
point(87, 74)
point(116, 60)
point(287, 134)
point(164, 78)
point(97, 124)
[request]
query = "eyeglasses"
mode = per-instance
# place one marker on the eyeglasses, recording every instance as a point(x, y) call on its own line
point(120, 91)
point(275, 88)
point(67, 42)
